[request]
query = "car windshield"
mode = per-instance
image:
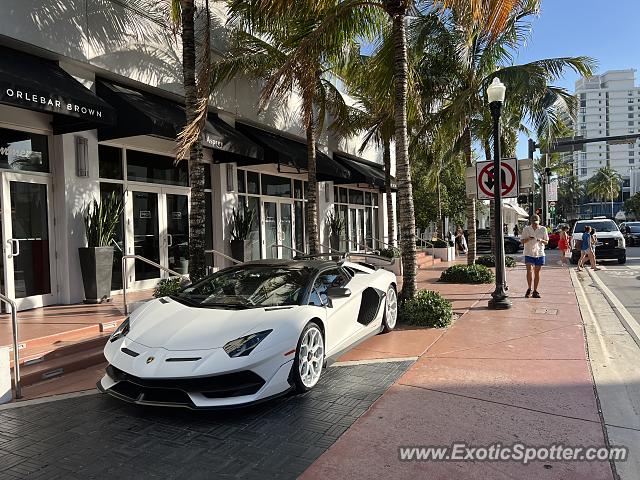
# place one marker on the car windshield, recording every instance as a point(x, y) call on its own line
point(248, 286)
point(599, 225)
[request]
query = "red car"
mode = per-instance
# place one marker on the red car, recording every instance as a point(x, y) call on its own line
point(554, 238)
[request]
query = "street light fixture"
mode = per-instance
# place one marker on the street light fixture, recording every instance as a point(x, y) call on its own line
point(495, 95)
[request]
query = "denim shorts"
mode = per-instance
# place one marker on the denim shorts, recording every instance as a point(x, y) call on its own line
point(537, 261)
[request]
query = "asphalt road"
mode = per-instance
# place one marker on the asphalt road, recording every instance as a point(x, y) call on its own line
point(624, 280)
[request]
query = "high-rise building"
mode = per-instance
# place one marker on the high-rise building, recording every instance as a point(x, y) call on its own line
point(609, 106)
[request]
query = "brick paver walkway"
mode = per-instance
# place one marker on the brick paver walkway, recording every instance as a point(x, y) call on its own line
point(520, 375)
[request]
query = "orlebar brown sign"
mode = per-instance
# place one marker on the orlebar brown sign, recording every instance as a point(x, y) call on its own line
point(48, 103)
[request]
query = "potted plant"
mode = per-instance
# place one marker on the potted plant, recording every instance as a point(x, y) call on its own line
point(241, 224)
point(101, 220)
point(444, 250)
point(335, 224)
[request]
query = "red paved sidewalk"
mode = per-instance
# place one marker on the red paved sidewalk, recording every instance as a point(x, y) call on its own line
point(520, 375)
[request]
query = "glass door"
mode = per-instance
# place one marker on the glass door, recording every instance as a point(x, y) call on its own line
point(146, 234)
point(177, 245)
point(160, 219)
point(29, 254)
point(278, 229)
point(356, 229)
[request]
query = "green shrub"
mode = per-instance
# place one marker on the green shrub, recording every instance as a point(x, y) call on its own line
point(440, 244)
point(390, 252)
point(490, 261)
point(167, 286)
point(427, 309)
point(467, 274)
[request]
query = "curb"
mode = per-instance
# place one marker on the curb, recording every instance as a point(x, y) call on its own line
point(630, 324)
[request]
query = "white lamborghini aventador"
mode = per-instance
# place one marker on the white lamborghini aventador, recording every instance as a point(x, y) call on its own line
point(248, 333)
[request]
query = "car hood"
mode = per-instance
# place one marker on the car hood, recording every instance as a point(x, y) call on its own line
point(165, 323)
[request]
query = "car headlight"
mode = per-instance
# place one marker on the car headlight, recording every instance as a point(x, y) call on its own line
point(620, 242)
point(121, 331)
point(243, 346)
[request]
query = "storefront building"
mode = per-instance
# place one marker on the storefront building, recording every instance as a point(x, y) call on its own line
point(71, 132)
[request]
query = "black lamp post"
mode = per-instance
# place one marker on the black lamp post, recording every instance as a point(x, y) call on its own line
point(495, 94)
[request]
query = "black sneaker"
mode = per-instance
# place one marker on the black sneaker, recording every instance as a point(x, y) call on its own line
point(536, 295)
point(528, 294)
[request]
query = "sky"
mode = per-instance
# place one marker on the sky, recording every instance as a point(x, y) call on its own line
point(608, 31)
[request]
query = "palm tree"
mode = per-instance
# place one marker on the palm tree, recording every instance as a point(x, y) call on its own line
point(196, 92)
point(480, 56)
point(491, 16)
point(570, 193)
point(605, 185)
point(277, 49)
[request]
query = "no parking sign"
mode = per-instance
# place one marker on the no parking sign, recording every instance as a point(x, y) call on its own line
point(485, 179)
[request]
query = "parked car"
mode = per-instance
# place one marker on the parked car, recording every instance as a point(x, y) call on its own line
point(611, 244)
point(631, 232)
point(248, 333)
point(483, 242)
point(554, 238)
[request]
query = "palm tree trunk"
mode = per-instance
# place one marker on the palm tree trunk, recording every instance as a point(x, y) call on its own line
point(405, 190)
point(197, 262)
point(391, 225)
point(311, 212)
point(440, 222)
point(471, 204)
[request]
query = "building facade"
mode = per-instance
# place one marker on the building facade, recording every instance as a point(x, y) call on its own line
point(90, 104)
point(609, 106)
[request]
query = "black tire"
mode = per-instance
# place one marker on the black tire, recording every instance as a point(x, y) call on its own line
point(386, 328)
point(510, 249)
point(299, 385)
point(622, 260)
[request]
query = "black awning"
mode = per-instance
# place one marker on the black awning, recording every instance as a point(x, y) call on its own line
point(284, 151)
point(31, 82)
point(143, 113)
point(364, 171)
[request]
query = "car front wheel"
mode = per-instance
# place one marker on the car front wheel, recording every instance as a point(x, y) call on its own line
point(390, 310)
point(307, 366)
point(510, 249)
point(622, 260)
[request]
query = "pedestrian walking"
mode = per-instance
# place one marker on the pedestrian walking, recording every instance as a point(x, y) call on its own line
point(585, 247)
point(516, 230)
point(461, 242)
point(564, 244)
point(534, 238)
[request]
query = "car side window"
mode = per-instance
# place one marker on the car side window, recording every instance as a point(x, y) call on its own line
point(329, 278)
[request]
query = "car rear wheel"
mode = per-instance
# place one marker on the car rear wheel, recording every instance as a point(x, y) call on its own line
point(390, 310)
point(510, 249)
point(622, 260)
point(307, 366)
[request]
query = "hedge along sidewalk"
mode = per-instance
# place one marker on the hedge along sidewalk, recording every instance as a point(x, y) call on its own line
point(514, 376)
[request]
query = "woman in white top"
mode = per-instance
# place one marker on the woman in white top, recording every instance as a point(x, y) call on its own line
point(534, 237)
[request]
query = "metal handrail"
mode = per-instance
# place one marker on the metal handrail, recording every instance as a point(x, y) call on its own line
point(277, 245)
point(233, 260)
point(16, 355)
point(125, 276)
point(377, 240)
point(366, 247)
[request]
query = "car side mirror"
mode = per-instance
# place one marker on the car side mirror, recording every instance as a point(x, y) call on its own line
point(338, 292)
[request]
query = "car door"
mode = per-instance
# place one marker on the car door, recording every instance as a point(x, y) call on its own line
point(342, 312)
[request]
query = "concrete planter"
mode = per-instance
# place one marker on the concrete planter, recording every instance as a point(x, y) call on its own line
point(446, 254)
point(241, 250)
point(96, 264)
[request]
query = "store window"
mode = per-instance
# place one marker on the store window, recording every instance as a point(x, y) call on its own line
point(253, 183)
point(110, 162)
point(152, 168)
point(360, 211)
point(276, 186)
point(23, 151)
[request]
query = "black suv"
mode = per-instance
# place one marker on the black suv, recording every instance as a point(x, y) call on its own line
point(483, 242)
